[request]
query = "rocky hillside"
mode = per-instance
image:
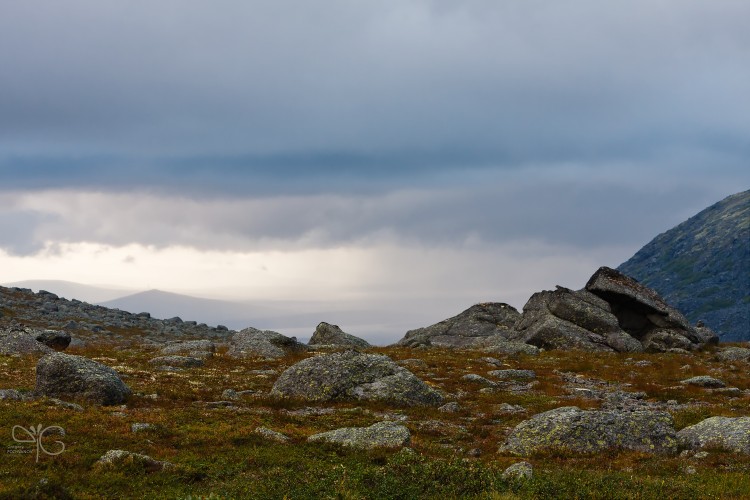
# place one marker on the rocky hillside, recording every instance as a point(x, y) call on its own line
point(702, 267)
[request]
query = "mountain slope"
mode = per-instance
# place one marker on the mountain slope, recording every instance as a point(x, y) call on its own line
point(702, 267)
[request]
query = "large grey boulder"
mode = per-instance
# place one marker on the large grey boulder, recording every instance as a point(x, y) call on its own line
point(21, 341)
point(331, 335)
point(65, 375)
point(733, 354)
point(380, 435)
point(252, 342)
point(731, 434)
point(352, 376)
point(466, 329)
point(567, 319)
point(572, 430)
point(643, 313)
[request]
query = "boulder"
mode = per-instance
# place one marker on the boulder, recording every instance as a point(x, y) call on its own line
point(726, 433)
point(177, 361)
point(567, 319)
point(271, 435)
point(252, 342)
point(331, 335)
point(115, 459)
point(21, 341)
point(352, 376)
point(56, 339)
point(65, 375)
point(380, 435)
point(733, 354)
point(572, 430)
point(467, 328)
point(194, 348)
point(704, 381)
point(644, 315)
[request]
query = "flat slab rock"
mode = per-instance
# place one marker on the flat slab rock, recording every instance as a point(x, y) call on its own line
point(121, 458)
point(731, 434)
point(353, 376)
point(380, 435)
point(572, 430)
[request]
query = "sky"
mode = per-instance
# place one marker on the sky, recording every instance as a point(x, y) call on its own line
point(412, 155)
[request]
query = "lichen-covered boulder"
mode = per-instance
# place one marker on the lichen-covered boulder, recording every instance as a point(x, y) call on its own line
point(177, 361)
point(380, 435)
point(21, 341)
point(704, 381)
point(65, 375)
point(731, 434)
point(331, 335)
point(572, 430)
point(733, 354)
point(466, 329)
point(352, 376)
point(116, 459)
point(252, 342)
point(193, 348)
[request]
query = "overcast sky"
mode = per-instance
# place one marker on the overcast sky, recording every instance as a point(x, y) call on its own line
point(400, 152)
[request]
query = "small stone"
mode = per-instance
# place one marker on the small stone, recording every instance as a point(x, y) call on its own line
point(451, 407)
point(271, 435)
point(513, 374)
point(519, 471)
point(116, 458)
point(704, 381)
point(380, 435)
point(140, 427)
point(478, 379)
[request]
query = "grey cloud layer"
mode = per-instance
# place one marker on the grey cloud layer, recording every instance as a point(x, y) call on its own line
point(482, 80)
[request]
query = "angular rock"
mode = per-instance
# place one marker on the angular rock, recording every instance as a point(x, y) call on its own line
point(252, 342)
point(644, 315)
point(572, 430)
point(331, 335)
point(56, 339)
point(61, 375)
point(731, 434)
point(21, 341)
point(380, 435)
point(121, 458)
point(351, 376)
point(467, 328)
point(178, 361)
point(566, 319)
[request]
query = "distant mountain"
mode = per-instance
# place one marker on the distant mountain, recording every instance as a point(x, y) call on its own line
point(702, 267)
point(70, 290)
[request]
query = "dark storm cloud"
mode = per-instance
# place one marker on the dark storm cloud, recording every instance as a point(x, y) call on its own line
point(402, 81)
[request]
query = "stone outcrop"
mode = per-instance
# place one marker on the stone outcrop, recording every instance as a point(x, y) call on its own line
point(331, 335)
point(572, 430)
point(613, 313)
point(731, 434)
point(352, 376)
point(65, 375)
point(252, 342)
point(467, 329)
point(380, 435)
point(644, 315)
